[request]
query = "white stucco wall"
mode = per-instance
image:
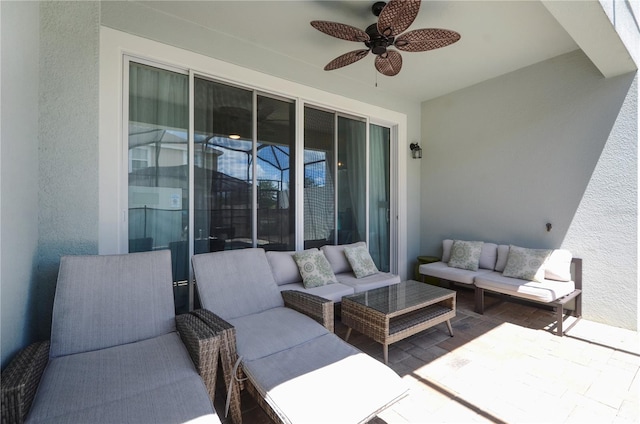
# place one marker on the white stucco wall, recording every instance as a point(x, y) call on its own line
point(554, 142)
point(19, 170)
point(68, 143)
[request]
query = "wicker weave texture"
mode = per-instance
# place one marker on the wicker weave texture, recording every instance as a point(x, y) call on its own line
point(316, 307)
point(20, 381)
point(203, 345)
point(228, 358)
point(422, 308)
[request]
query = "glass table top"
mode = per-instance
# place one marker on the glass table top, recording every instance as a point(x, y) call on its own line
point(401, 296)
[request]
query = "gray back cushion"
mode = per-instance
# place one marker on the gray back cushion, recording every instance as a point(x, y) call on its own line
point(109, 300)
point(284, 267)
point(488, 256)
point(236, 283)
point(336, 257)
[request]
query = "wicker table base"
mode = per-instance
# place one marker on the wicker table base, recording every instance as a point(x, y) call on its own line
point(392, 313)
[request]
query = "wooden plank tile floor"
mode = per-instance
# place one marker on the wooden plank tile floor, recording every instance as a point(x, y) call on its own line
point(506, 366)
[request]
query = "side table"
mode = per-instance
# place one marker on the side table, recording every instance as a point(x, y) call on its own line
point(425, 278)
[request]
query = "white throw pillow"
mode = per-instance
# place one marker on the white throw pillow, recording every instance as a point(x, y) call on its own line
point(526, 264)
point(446, 250)
point(558, 266)
point(360, 260)
point(314, 268)
point(465, 254)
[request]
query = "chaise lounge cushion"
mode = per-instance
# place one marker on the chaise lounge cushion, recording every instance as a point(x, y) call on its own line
point(336, 377)
point(88, 281)
point(244, 296)
point(263, 334)
point(544, 291)
point(68, 391)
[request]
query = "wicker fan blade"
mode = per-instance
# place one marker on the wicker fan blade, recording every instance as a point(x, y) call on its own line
point(343, 31)
point(421, 40)
point(346, 59)
point(397, 16)
point(389, 63)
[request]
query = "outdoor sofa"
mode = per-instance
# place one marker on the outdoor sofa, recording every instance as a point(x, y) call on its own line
point(287, 273)
point(551, 277)
point(296, 368)
point(117, 353)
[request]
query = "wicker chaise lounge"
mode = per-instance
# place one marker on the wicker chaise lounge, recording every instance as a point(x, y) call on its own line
point(298, 370)
point(117, 351)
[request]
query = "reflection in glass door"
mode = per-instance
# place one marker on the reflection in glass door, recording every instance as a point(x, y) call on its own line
point(158, 168)
point(379, 195)
point(352, 180)
point(319, 166)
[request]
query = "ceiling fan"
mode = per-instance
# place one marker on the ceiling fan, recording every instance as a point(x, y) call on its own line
point(393, 18)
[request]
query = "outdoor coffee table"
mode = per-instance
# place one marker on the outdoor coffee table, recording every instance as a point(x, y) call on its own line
point(392, 313)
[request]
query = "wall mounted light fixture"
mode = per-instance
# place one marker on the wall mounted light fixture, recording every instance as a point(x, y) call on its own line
point(416, 151)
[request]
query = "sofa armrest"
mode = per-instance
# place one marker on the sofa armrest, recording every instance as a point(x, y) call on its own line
point(228, 357)
point(20, 381)
point(316, 307)
point(203, 344)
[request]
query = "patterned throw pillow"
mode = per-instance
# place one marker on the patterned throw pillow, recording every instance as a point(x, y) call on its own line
point(526, 264)
point(314, 268)
point(360, 261)
point(465, 254)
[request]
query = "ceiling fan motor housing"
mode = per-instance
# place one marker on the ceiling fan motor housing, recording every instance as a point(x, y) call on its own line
point(377, 42)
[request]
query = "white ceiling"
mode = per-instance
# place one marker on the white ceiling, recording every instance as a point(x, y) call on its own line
point(497, 37)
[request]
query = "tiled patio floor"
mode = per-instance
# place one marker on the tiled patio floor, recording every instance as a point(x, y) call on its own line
point(507, 367)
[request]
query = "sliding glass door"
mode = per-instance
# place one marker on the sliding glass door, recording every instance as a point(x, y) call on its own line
point(158, 168)
point(380, 196)
point(225, 176)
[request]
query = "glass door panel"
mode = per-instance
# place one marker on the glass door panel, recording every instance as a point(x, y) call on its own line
point(275, 174)
point(158, 168)
point(319, 169)
point(379, 195)
point(352, 179)
point(223, 167)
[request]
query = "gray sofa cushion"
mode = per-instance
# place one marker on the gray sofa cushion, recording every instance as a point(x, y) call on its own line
point(284, 267)
point(93, 309)
point(333, 292)
point(296, 387)
point(503, 255)
point(336, 257)
point(445, 272)
point(488, 256)
point(370, 282)
point(265, 333)
point(145, 382)
point(235, 283)
point(545, 291)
